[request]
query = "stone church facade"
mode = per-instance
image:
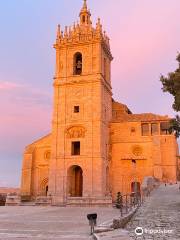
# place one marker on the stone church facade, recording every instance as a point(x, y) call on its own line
point(97, 147)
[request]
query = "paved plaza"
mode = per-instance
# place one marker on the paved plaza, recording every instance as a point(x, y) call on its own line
point(160, 212)
point(46, 223)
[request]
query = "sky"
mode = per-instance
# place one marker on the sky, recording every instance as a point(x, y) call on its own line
point(145, 39)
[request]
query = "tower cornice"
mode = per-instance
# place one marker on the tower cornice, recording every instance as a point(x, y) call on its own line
point(83, 40)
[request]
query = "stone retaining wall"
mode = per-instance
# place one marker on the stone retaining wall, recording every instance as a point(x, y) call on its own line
point(121, 222)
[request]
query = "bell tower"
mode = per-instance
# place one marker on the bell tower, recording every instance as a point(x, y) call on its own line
point(82, 112)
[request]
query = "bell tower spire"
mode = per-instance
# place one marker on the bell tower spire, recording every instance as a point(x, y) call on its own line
point(85, 15)
point(85, 4)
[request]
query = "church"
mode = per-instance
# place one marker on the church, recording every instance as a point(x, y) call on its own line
point(97, 146)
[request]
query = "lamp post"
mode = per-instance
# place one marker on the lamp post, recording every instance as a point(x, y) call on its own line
point(135, 181)
point(178, 168)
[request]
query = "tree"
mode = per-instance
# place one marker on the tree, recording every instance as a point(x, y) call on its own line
point(175, 126)
point(171, 84)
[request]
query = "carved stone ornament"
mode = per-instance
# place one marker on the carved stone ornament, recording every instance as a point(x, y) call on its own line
point(47, 155)
point(76, 132)
point(61, 65)
point(77, 92)
point(137, 150)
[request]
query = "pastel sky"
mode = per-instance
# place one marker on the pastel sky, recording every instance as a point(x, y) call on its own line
point(145, 39)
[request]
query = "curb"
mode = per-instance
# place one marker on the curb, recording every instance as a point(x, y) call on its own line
point(95, 237)
point(118, 223)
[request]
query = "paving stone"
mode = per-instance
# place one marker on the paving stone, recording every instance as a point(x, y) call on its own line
point(160, 211)
point(48, 223)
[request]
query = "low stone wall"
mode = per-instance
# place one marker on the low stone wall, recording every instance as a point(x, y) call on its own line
point(13, 200)
point(121, 222)
point(148, 185)
point(112, 225)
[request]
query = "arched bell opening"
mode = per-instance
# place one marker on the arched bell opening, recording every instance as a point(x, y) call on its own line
point(77, 63)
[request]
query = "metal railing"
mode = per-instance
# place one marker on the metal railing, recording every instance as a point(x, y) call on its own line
point(126, 203)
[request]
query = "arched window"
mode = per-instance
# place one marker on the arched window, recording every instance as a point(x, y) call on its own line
point(77, 63)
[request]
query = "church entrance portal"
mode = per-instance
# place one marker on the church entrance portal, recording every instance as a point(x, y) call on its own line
point(135, 187)
point(75, 181)
point(44, 187)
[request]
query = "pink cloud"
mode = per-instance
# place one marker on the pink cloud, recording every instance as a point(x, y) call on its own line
point(9, 85)
point(26, 114)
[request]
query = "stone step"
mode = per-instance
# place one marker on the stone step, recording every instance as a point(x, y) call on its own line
point(114, 235)
point(99, 229)
point(89, 201)
point(27, 204)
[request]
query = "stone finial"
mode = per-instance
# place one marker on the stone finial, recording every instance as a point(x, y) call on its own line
point(84, 7)
point(69, 30)
point(66, 32)
point(99, 26)
point(58, 36)
point(85, 4)
point(77, 28)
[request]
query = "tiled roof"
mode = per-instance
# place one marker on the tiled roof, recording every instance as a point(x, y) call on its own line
point(121, 113)
point(144, 117)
